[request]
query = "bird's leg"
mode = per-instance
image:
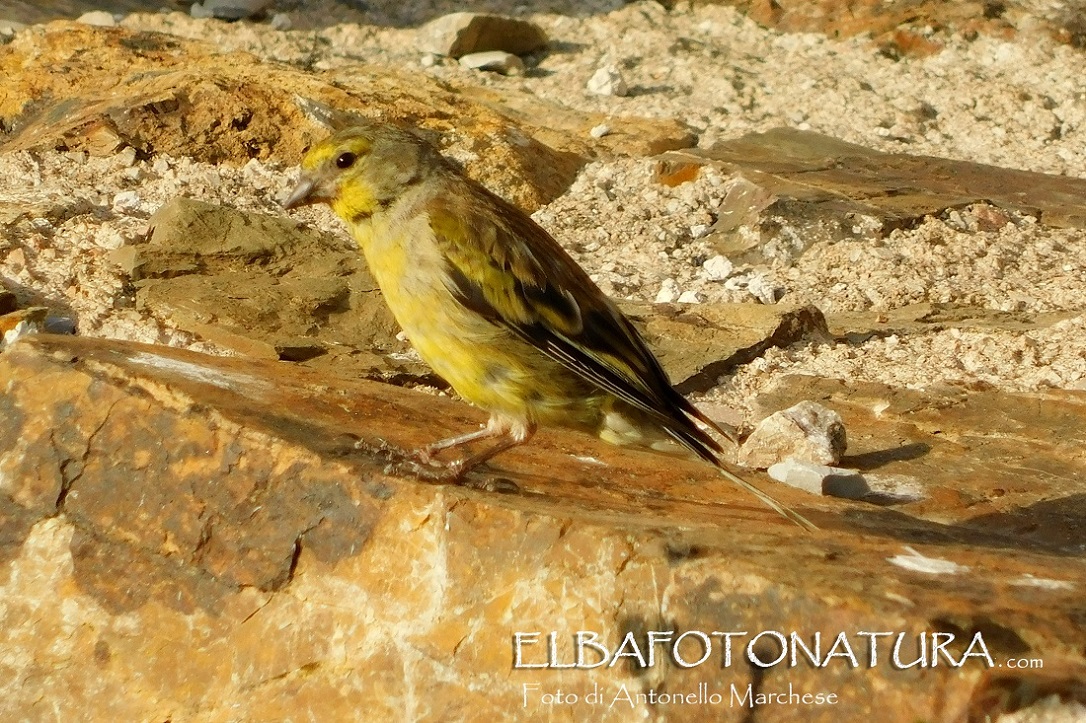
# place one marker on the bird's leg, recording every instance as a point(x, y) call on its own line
point(511, 433)
point(489, 431)
point(516, 435)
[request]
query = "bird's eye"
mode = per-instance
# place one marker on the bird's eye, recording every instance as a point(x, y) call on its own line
point(345, 160)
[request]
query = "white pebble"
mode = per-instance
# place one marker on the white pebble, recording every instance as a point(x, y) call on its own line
point(718, 268)
point(689, 297)
point(607, 81)
point(101, 18)
point(600, 131)
point(126, 201)
point(669, 291)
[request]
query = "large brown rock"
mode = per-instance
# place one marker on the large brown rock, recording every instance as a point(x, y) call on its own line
point(198, 538)
point(69, 85)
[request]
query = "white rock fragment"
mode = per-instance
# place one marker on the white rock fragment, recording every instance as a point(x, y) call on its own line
point(100, 18)
point(127, 156)
point(495, 61)
point(718, 268)
point(698, 230)
point(916, 562)
point(764, 290)
point(126, 201)
point(806, 432)
point(600, 131)
point(22, 323)
point(607, 81)
point(669, 291)
point(820, 480)
point(689, 297)
point(281, 21)
point(428, 60)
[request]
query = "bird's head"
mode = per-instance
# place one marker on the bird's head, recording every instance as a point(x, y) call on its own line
point(360, 170)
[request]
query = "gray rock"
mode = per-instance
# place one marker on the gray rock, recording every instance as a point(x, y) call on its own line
point(229, 9)
point(821, 480)
point(806, 432)
point(460, 34)
point(497, 61)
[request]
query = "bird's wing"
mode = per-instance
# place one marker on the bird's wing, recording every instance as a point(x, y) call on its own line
point(506, 268)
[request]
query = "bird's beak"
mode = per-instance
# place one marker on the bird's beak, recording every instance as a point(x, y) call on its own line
point(303, 194)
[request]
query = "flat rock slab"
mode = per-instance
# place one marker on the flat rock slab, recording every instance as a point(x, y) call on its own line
point(858, 326)
point(187, 537)
point(266, 287)
point(842, 179)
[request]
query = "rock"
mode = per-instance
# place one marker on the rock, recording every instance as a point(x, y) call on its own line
point(101, 18)
point(497, 61)
point(460, 34)
point(718, 268)
point(689, 297)
point(819, 479)
point(281, 21)
point(887, 23)
point(607, 81)
point(126, 201)
point(919, 319)
point(669, 291)
point(189, 536)
point(265, 287)
point(230, 9)
point(599, 131)
point(181, 97)
point(17, 324)
point(798, 188)
point(763, 289)
point(8, 28)
point(956, 457)
point(806, 432)
point(698, 345)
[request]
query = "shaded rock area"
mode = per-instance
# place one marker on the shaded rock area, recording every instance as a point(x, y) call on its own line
point(398, 580)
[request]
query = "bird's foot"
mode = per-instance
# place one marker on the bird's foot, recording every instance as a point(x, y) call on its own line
point(428, 470)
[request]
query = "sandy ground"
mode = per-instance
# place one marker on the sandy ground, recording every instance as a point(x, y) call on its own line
point(1018, 104)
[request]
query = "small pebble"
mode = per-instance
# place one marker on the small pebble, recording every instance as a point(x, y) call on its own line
point(669, 291)
point(820, 480)
point(600, 131)
point(495, 61)
point(689, 297)
point(764, 290)
point(607, 81)
point(718, 268)
point(126, 201)
point(281, 21)
point(100, 18)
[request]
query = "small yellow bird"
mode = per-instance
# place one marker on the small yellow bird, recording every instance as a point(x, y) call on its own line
point(495, 305)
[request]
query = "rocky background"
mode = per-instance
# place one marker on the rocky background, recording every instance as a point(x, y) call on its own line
point(874, 207)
